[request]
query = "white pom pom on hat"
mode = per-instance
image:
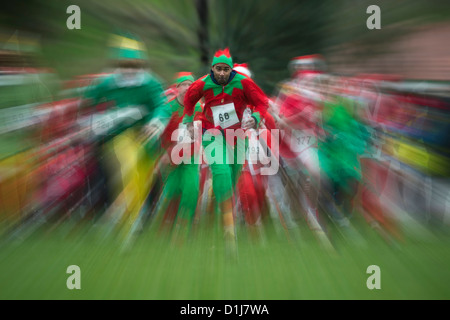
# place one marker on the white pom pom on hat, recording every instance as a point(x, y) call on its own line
point(242, 68)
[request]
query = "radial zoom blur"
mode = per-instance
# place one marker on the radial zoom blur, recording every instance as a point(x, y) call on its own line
point(119, 149)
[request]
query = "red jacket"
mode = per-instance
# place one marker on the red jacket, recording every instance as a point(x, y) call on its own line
point(240, 90)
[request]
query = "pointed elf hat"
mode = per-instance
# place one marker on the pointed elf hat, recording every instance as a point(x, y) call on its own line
point(183, 76)
point(223, 56)
point(243, 68)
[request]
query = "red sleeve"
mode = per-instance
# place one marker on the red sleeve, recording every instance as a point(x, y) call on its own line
point(289, 106)
point(193, 95)
point(166, 136)
point(257, 98)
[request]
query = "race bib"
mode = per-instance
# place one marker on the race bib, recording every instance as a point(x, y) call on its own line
point(302, 140)
point(256, 152)
point(102, 123)
point(225, 115)
point(131, 113)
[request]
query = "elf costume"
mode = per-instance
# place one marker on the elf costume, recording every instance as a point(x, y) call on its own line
point(132, 101)
point(346, 139)
point(181, 190)
point(251, 185)
point(224, 108)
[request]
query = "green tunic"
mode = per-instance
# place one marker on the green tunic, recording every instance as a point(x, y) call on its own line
point(145, 94)
point(346, 140)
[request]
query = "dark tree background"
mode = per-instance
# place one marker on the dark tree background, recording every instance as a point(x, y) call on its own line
point(182, 35)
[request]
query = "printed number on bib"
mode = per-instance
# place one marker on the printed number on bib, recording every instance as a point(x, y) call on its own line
point(225, 115)
point(302, 139)
point(256, 152)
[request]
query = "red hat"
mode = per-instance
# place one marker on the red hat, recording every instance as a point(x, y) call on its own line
point(309, 62)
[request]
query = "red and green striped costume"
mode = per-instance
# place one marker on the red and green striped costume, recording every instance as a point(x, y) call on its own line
point(182, 184)
point(243, 92)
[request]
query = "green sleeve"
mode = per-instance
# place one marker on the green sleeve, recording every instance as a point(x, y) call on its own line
point(257, 117)
point(189, 119)
point(94, 91)
point(158, 100)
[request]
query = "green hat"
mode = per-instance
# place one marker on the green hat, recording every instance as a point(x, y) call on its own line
point(223, 56)
point(126, 47)
point(183, 76)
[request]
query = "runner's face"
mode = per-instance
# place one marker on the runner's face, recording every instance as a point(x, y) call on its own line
point(129, 68)
point(182, 88)
point(221, 72)
point(128, 73)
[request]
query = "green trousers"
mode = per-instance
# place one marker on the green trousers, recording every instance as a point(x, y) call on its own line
point(225, 163)
point(184, 182)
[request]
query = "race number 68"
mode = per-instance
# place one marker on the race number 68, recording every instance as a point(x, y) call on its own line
point(223, 117)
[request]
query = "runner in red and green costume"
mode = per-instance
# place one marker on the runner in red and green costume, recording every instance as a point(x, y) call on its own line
point(181, 190)
point(226, 94)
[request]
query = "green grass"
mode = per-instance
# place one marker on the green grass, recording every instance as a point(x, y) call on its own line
point(154, 268)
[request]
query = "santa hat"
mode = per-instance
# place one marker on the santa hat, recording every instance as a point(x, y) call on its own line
point(183, 76)
point(310, 62)
point(242, 68)
point(223, 56)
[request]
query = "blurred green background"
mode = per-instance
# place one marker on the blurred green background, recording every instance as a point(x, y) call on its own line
point(184, 34)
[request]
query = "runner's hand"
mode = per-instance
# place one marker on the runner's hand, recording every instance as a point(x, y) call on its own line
point(153, 129)
point(249, 124)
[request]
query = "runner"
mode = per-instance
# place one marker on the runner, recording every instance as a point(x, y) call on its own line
point(133, 117)
point(181, 191)
point(227, 94)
